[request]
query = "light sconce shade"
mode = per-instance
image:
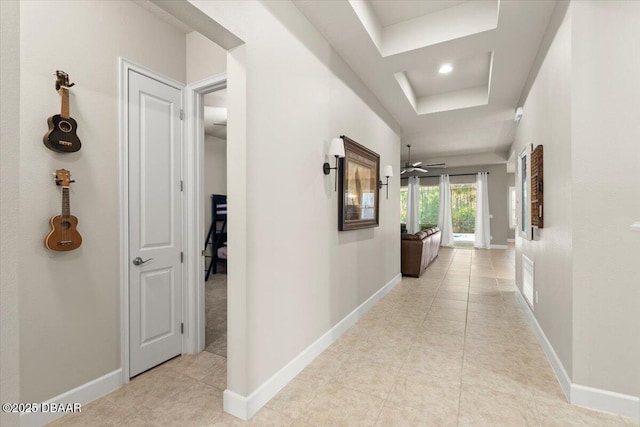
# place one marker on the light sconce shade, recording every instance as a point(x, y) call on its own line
point(337, 147)
point(337, 150)
point(388, 173)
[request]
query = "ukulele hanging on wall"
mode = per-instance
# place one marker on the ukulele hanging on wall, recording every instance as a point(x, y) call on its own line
point(63, 235)
point(62, 136)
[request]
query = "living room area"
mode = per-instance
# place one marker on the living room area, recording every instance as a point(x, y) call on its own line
point(461, 217)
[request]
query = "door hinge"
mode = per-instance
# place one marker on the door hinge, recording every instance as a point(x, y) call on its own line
point(182, 328)
point(181, 256)
point(181, 185)
point(181, 114)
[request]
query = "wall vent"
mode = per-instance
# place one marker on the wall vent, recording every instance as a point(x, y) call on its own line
point(527, 279)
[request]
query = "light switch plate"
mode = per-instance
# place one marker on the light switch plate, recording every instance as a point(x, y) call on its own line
point(635, 226)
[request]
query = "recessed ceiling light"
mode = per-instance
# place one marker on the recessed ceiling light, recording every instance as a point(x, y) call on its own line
point(445, 69)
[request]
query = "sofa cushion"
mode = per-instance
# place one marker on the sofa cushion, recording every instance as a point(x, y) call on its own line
point(407, 236)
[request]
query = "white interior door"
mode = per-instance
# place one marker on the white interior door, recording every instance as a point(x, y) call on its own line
point(155, 237)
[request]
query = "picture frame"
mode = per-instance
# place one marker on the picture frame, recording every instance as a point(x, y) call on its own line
point(358, 191)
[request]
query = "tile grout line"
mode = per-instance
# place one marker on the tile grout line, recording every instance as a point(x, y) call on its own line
point(464, 345)
point(398, 373)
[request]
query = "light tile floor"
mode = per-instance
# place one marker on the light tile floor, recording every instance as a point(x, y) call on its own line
point(452, 348)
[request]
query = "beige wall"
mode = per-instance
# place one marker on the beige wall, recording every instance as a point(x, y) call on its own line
point(204, 58)
point(547, 121)
point(9, 207)
point(215, 173)
point(70, 302)
point(605, 91)
point(583, 107)
point(497, 194)
point(302, 275)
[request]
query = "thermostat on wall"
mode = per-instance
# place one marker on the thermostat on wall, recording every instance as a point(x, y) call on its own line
point(635, 226)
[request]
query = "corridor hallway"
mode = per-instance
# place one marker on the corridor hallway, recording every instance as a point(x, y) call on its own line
point(451, 348)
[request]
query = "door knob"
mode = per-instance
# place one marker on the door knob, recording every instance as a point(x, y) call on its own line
point(139, 261)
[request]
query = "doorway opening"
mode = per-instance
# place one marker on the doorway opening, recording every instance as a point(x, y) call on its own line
point(214, 230)
point(463, 214)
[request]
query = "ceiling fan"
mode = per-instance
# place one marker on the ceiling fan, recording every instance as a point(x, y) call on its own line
point(415, 167)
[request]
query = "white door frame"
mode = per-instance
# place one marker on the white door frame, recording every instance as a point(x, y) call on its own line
point(193, 155)
point(124, 66)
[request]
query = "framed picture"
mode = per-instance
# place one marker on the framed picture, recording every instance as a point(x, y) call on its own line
point(358, 194)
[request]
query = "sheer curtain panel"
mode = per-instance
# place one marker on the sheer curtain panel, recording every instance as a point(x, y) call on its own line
point(483, 225)
point(445, 223)
point(413, 210)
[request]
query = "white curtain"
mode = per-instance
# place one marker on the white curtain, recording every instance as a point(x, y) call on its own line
point(413, 210)
point(483, 225)
point(444, 212)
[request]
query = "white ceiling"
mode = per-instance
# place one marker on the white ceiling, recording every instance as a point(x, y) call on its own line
point(393, 12)
point(467, 72)
point(416, 37)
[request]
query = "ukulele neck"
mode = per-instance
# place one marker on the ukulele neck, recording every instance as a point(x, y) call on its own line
point(66, 204)
point(64, 109)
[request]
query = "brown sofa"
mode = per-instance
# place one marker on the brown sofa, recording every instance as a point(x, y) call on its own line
point(419, 250)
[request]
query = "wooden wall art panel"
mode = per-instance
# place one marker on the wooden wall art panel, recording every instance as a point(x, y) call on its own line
point(537, 188)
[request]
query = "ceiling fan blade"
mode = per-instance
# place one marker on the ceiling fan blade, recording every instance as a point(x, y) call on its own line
point(436, 167)
point(403, 171)
point(416, 164)
point(420, 170)
point(436, 164)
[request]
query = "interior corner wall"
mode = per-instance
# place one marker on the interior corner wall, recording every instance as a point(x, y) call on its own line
point(302, 275)
point(10, 231)
point(606, 194)
point(547, 121)
point(70, 302)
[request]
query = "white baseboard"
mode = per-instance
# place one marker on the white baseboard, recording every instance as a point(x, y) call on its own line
point(552, 357)
point(498, 247)
point(606, 401)
point(82, 394)
point(235, 404)
point(588, 397)
point(245, 407)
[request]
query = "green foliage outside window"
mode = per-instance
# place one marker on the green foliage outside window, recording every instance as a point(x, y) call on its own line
point(463, 203)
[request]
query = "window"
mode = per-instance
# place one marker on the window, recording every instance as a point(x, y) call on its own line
point(524, 175)
point(524, 183)
point(463, 208)
point(429, 200)
point(513, 209)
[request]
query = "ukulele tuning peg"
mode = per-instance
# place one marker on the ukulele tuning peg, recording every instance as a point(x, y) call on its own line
point(62, 80)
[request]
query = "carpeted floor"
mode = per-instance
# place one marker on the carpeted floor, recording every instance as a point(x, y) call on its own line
point(215, 293)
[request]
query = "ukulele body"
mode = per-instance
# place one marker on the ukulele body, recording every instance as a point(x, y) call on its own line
point(63, 235)
point(62, 134)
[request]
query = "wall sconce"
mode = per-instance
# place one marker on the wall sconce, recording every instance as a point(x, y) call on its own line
point(388, 172)
point(336, 149)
